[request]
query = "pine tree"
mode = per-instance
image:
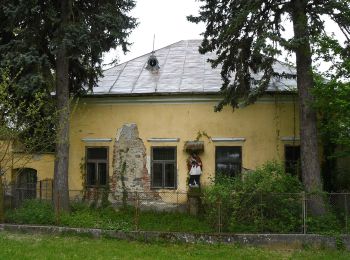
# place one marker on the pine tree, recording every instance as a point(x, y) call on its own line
point(57, 45)
point(247, 36)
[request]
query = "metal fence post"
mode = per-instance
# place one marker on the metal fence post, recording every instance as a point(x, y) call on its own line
point(2, 202)
point(177, 201)
point(137, 211)
point(346, 212)
point(52, 195)
point(40, 190)
point(219, 216)
point(12, 193)
point(261, 214)
point(303, 205)
point(58, 208)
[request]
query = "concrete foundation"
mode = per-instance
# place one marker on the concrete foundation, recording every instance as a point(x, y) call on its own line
point(270, 240)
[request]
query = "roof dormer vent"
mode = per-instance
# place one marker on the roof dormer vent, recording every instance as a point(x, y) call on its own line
point(152, 63)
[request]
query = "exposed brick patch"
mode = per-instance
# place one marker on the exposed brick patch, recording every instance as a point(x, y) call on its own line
point(130, 172)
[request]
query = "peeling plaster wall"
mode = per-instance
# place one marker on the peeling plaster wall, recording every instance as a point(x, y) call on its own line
point(129, 161)
point(180, 118)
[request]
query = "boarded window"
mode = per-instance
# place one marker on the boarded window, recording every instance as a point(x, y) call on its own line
point(228, 160)
point(292, 159)
point(96, 166)
point(164, 167)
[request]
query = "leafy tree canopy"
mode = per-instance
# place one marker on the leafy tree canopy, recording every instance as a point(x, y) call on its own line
point(332, 103)
point(248, 35)
point(30, 120)
point(29, 40)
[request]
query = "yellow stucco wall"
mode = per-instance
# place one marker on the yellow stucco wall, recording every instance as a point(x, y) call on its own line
point(11, 160)
point(42, 163)
point(262, 125)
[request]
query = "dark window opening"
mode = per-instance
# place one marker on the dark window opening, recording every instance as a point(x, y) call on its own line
point(97, 153)
point(228, 160)
point(164, 167)
point(96, 166)
point(26, 183)
point(292, 160)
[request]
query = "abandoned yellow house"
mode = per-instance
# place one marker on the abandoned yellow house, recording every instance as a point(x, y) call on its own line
point(146, 117)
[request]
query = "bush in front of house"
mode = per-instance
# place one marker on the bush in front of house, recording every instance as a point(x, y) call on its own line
point(84, 215)
point(32, 212)
point(324, 224)
point(81, 215)
point(172, 222)
point(264, 200)
point(217, 202)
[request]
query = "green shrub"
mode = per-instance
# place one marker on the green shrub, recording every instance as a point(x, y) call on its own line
point(218, 197)
point(327, 223)
point(86, 216)
point(172, 221)
point(83, 215)
point(32, 212)
point(264, 200)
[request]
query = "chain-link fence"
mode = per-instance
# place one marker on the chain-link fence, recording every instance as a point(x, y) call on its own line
point(185, 211)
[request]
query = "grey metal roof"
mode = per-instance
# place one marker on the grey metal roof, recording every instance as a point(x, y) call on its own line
point(182, 70)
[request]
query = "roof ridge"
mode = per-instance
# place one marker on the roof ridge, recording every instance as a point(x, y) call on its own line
point(148, 53)
point(183, 70)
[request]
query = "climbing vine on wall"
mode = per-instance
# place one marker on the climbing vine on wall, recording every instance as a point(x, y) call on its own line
point(122, 179)
point(201, 134)
point(277, 124)
point(82, 167)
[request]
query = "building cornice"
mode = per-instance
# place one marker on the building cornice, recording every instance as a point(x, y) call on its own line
point(178, 99)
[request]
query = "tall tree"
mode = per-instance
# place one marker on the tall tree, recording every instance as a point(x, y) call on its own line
point(333, 106)
point(61, 194)
point(56, 45)
point(247, 36)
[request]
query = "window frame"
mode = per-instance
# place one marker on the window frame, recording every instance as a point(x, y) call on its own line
point(297, 172)
point(164, 162)
point(96, 162)
point(230, 146)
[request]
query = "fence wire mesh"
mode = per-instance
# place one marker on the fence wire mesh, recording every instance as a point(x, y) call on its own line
point(181, 211)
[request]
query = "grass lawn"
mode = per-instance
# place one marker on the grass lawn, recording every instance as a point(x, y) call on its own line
point(22, 246)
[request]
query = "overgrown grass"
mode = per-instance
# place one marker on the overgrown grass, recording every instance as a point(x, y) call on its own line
point(85, 216)
point(81, 215)
point(21, 246)
point(173, 222)
point(32, 212)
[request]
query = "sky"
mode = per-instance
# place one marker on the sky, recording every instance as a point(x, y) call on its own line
point(166, 19)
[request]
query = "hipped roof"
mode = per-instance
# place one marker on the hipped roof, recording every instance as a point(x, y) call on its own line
point(182, 70)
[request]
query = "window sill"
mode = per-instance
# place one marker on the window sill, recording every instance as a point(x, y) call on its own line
point(163, 188)
point(96, 187)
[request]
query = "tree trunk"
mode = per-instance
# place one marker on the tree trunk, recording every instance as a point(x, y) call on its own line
point(61, 194)
point(310, 165)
